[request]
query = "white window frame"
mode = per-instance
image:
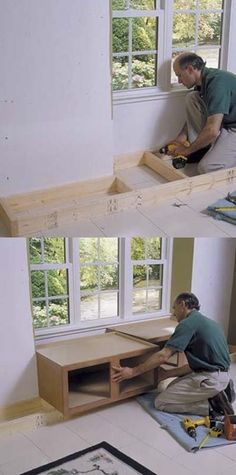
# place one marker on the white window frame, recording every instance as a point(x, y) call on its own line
point(48, 266)
point(164, 88)
point(129, 14)
point(125, 290)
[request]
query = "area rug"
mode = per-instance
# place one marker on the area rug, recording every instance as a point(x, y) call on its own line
point(173, 424)
point(101, 459)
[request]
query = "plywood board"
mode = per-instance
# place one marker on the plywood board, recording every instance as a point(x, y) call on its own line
point(156, 330)
point(88, 351)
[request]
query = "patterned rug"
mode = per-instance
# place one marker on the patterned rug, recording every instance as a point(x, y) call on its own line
point(101, 459)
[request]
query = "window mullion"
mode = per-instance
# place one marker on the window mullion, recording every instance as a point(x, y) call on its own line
point(130, 54)
point(75, 281)
point(46, 297)
point(126, 285)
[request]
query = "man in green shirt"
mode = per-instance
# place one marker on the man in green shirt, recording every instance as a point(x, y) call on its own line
point(210, 126)
point(204, 383)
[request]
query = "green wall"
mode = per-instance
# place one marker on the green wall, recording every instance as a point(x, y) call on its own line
point(232, 318)
point(182, 264)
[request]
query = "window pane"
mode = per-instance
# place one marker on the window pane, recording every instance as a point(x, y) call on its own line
point(211, 56)
point(154, 300)
point(109, 277)
point(35, 250)
point(54, 250)
point(57, 282)
point(210, 4)
point(118, 4)
point(88, 249)
point(184, 4)
point(155, 275)
point(209, 29)
point(120, 29)
point(137, 248)
point(143, 4)
point(120, 73)
point(184, 30)
point(153, 248)
point(143, 71)
point(38, 283)
point(108, 250)
point(108, 305)
point(140, 276)
point(144, 32)
point(89, 307)
point(58, 312)
point(139, 301)
point(39, 315)
point(88, 278)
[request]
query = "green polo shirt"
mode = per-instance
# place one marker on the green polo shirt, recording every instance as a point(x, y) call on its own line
point(203, 342)
point(218, 90)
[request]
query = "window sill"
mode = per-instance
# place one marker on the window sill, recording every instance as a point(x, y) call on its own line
point(54, 334)
point(146, 94)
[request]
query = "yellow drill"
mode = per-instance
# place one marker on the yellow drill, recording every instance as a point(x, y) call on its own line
point(191, 424)
point(179, 161)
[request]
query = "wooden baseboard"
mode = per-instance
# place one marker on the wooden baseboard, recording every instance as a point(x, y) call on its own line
point(27, 416)
point(20, 409)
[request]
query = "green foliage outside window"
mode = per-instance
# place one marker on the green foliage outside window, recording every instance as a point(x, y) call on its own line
point(144, 34)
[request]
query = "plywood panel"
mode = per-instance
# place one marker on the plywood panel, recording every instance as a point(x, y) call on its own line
point(89, 350)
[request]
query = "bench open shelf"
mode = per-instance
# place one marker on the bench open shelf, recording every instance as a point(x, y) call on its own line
point(76, 375)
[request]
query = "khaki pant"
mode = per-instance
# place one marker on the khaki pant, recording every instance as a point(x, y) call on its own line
point(189, 394)
point(222, 154)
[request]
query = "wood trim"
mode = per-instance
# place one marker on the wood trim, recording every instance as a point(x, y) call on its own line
point(20, 408)
point(163, 168)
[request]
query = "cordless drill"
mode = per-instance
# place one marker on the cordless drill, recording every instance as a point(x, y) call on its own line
point(179, 161)
point(191, 424)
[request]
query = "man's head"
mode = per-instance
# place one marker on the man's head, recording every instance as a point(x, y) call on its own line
point(188, 68)
point(184, 304)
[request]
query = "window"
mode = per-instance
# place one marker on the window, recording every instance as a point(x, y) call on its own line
point(49, 282)
point(147, 36)
point(147, 275)
point(85, 283)
point(197, 27)
point(135, 43)
point(99, 278)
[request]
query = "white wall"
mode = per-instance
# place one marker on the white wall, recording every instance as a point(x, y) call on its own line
point(147, 125)
point(213, 267)
point(55, 94)
point(18, 376)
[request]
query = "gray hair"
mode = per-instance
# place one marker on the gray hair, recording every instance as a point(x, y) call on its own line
point(190, 59)
point(190, 300)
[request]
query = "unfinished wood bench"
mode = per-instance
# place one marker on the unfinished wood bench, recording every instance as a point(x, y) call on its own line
point(75, 375)
point(156, 331)
point(37, 212)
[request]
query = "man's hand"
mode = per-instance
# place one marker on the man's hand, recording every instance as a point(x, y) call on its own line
point(181, 149)
point(120, 373)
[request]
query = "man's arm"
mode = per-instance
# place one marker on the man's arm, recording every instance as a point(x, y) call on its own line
point(173, 372)
point(207, 136)
point(120, 373)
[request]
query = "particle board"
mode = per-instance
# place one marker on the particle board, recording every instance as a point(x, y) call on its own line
point(75, 375)
point(37, 212)
point(157, 331)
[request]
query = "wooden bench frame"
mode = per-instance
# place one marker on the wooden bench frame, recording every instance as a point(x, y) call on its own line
point(35, 212)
